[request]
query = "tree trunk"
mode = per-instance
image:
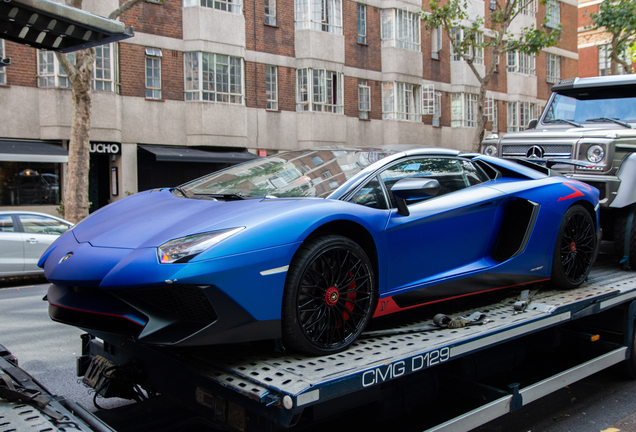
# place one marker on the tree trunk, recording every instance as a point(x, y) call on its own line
point(76, 180)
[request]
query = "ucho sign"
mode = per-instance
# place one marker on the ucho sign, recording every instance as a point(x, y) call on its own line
point(105, 148)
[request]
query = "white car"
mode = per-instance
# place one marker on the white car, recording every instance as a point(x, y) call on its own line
point(24, 236)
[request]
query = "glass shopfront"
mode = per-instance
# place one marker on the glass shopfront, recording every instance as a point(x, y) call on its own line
point(29, 183)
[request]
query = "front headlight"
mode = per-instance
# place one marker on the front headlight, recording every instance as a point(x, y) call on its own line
point(183, 249)
point(490, 150)
point(595, 153)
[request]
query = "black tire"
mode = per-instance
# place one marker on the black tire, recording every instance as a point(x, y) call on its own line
point(620, 236)
point(574, 249)
point(329, 296)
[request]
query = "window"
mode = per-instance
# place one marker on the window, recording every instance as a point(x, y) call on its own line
point(364, 99)
point(317, 160)
point(452, 174)
point(457, 34)
point(103, 70)
point(401, 101)
point(463, 110)
point(362, 23)
point(322, 15)
point(29, 183)
point(213, 77)
point(553, 68)
point(519, 114)
point(3, 73)
point(270, 12)
point(530, 8)
point(605, 60)
point(271, 87)
point(153, 73)
point(428, 99)
point(400, 29)
point(50, 72)
point(437, 114)
point(553, 13)
point(6, 223)
point(36, 224)
point(233, 6)
point(436, 42)
point(322, 94)
point(520, 63)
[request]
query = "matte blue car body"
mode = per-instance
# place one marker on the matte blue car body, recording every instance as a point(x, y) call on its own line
point(116, 247)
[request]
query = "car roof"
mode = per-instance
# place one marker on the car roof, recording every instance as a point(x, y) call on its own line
point(588, 82)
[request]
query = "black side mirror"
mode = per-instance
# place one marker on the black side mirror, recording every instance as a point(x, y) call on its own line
point(532, 124)
point(413, 188)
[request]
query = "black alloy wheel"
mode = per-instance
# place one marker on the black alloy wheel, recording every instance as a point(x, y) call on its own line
point(574, 249)
point(329, 296)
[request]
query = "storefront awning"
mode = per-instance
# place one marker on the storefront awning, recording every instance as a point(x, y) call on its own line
point(47, 24)
point(188, 154)
point(31, 151)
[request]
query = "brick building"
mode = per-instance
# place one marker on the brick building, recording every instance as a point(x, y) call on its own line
point(206, 83)
point(594, 45)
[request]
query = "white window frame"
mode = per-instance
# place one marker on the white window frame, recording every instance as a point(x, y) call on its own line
point(315, 90)
point(428, 99)
point(436, 42)
point(361, 12)
point(520, 114)
point(364, 99)
point(232, 6)
point(321, 15)
point(401, 101)
point(3, 72)
point(196, 88)
point(50, 72)
point(604, 59)
point(530, 9)
point(271, 87)
point(490, 111)
point(105, 68)
point(437, 114)
point(553, 68)
point(553, 13)
point(153, 80)
point(463, 110)
point(521, 63)
point(401, 29)
point(270, 12)
point(457, 33)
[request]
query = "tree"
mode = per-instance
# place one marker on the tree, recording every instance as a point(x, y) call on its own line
point(469, 36)
point(618, 18)
point(80, 73)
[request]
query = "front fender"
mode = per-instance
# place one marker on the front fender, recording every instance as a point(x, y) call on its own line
point(626, 194)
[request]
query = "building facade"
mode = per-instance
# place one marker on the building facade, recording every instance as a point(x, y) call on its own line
point(593, 45)
point(208, 83)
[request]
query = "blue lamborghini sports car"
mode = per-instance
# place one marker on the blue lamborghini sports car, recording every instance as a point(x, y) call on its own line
point(308, 246)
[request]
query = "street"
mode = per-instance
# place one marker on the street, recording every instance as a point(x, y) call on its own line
point(47, 350)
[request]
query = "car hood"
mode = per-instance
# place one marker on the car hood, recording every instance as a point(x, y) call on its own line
point(149, 219)
point(600, 131)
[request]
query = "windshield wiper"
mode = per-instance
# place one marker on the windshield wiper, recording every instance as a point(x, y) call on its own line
point(617, 121)
point(564, 121)
point(229, 196)
point(181, 191)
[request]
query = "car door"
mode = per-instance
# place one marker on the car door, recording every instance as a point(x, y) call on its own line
point(445, 235)
point(11, 247)
point(38, 234)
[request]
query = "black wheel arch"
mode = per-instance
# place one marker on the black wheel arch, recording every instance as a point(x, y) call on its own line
point(354, 231)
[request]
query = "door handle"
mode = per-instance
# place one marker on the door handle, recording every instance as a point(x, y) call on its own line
point(32, 241)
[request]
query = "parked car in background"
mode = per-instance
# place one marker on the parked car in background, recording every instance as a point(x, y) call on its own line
point(24, 236)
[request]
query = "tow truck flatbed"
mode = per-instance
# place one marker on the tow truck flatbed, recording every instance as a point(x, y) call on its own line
point(245, 386)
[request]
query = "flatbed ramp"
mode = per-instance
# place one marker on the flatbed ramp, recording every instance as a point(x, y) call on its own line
point(226, 382)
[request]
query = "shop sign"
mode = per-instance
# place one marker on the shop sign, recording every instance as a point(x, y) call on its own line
point(105, 148)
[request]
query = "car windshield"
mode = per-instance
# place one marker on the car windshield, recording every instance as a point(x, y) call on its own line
point(309, 173)
point(593, 105)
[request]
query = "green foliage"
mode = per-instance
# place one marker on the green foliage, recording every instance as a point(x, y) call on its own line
point(618, 18)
